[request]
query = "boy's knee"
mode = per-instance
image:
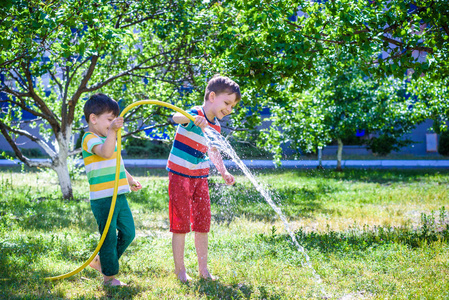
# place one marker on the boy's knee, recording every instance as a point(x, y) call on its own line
point(132, 236)
point(129, 236)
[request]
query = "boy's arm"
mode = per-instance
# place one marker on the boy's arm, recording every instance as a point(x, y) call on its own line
point(106, 150)
point(181, 119)
point(134, 184)
point(215, 157)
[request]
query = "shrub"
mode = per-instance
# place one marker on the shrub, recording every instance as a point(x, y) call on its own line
point(385, 144)
point(28, 152)
point(245, 145)
point(443, 145)
point(142, 148)
point(31, 152)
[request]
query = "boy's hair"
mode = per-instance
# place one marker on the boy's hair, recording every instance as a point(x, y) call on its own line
point(99, 104)
point(222, 84)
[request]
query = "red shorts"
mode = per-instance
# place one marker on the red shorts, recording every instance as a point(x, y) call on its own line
point(189, 203)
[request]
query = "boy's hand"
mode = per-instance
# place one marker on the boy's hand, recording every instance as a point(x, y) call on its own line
point(135, 185)
point(117, 123)
point(228, 178)
point(200, 122)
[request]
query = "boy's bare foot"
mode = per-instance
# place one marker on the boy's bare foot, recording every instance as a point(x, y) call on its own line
point(183, 277)
point(207, 276)
point(96, 264)
point(114, 282)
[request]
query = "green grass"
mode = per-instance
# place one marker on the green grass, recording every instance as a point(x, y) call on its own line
point(370, 234)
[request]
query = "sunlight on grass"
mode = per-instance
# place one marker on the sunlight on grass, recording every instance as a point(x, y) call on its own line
point(370, 234)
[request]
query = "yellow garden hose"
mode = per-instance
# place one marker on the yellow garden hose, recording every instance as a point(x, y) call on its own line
point(117, 172)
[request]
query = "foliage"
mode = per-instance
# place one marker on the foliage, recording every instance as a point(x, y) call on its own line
point(148, 49)
point(277, 52)
point(143, 148)
point(59, 53)
point(245, 144)
point(443, 143)
point(339, 105)
point(385, 144)
point(433, 94)
point(383, 37)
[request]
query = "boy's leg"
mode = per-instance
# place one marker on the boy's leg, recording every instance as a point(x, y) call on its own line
point(125, 225)
point(179, 214)
point(201, 244)
point(178, 244)
point(96, 264)
point(201, 216)
point(108, 251)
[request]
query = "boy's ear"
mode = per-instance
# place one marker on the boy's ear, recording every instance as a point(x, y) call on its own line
point(212, 96)
point(93, 118)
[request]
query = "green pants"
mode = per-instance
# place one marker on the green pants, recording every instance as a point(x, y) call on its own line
point(120, 234)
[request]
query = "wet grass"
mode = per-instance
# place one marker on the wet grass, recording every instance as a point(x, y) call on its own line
point(370, 234)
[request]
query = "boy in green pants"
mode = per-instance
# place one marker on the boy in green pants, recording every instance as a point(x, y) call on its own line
point(100, 154)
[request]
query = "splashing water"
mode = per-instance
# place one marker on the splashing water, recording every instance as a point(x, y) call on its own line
point(215, 139)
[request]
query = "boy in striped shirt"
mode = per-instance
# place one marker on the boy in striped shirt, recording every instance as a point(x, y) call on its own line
point(100, 154)
point(188, 166)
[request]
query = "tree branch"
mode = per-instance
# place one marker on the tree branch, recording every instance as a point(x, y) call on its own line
point(49, 115)
point(446, 29)
point(75, 152)
point(64, 113)
point(124, 73)
point(143, 19)
point(76, 69)
point(400, 44)
point(149, 127)
point(33, 138)
point(8, 62)
point(133, 112)
point(81, 88)
point(57, 81)
point(154, 78)
point(20, 156)
point(19, 80)
point(22, 104)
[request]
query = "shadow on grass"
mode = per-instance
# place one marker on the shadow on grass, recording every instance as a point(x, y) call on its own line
point(17, 281)
point(218, 290)
point(123, 292)
point(39, 289)
point(45, 213)
point(18, 292)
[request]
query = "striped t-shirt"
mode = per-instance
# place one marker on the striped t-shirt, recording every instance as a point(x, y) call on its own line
point(101, 171)
point(188, 154)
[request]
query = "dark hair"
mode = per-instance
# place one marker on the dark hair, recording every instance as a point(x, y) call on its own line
point(99, 104)
point(222, 84)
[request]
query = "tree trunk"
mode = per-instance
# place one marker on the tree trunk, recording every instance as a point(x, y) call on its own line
point(64, 179)
point(60, 163)
point(339, 154)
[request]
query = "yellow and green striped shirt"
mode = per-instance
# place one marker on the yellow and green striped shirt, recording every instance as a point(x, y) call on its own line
point(101, 171)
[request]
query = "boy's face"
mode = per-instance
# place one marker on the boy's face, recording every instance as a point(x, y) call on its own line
point(102, 122)
point(222, 104)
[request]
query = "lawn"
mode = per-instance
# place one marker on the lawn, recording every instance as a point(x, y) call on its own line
point(370, 234)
